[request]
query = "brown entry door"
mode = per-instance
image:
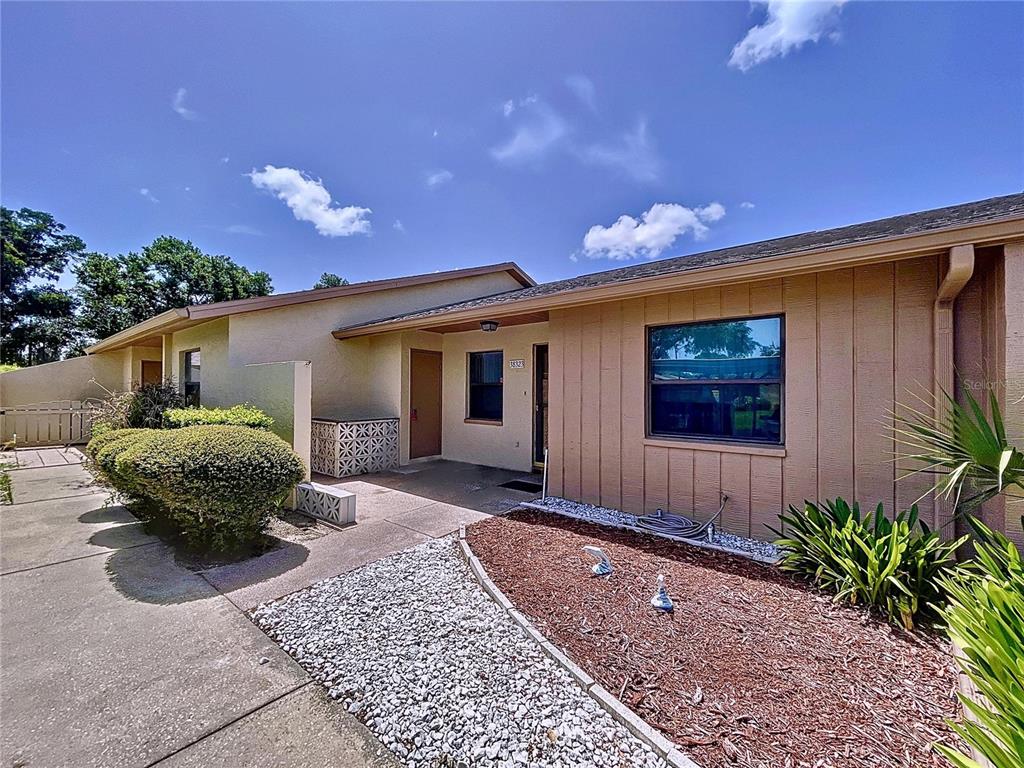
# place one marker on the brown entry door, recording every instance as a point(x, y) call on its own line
point(152, 371)
point(425, 404)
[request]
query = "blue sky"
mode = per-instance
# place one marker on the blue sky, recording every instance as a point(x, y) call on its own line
point(406, 138)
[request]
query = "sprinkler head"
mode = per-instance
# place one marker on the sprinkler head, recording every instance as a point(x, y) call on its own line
point(603, 566)
point(661, 600)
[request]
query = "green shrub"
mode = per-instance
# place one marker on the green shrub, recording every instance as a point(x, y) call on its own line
point(237, 415)
point(894, 566)
point(141, 408)
point(985, 619)
point(218, 484)
point(105, 448)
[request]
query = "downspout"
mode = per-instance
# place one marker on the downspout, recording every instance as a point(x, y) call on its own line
point(959, 268)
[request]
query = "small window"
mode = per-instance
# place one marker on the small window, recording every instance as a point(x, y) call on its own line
point(485, 386)
point(191, 377)
point(717, 380)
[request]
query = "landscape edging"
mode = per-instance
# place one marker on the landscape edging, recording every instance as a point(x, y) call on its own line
point(618, 711)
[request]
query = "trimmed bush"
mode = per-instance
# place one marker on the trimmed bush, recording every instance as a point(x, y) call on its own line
point(891, 565)
point(216, 485)
point(237, 415)
point(104, 450)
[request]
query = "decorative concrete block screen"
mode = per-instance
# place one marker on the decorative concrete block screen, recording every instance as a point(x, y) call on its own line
point(344, 448)
point(331, 504)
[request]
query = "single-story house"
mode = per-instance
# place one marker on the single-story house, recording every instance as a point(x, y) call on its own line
point(767, 371)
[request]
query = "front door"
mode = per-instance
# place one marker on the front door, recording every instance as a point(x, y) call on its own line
point(424, 404)
point(152, 371)
point(540, 402)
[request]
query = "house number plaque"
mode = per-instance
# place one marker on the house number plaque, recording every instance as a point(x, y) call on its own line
point(516, 363)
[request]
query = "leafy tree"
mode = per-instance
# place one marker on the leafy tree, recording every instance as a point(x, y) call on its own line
point(118, 291)
point(36, 317)
point(330, 280)
point(703, 342)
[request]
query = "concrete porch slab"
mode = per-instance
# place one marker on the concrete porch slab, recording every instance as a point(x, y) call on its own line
point(301, 729)
point(52, 483)
point(264, 578)
point(45, 532)
point(437, 519)
point(124, 659)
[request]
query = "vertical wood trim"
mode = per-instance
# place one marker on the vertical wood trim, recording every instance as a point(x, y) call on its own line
point(735, 300)
point(800, 467)
point(1011, 360)
point(735, 468)
point(655, 478)
point(633, 384)
point(835, 384)
point(680, 481)
point(590, 405)
point(572, 403)
point(766, 297)
point(707, 304)
point(680, 307)
point(765, 496)
point(874, 445)
point(707, 482)
point(611, 404)
point(915, 289)
point(556, 410)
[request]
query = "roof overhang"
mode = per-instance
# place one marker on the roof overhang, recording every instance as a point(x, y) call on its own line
point(768, 267)
point(147, 332)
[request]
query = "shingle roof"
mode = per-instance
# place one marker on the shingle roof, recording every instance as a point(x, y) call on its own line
point(980, 211)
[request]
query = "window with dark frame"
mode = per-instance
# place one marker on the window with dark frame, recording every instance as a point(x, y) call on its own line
point(191, 377)
point(485, 386)
point(720, 379)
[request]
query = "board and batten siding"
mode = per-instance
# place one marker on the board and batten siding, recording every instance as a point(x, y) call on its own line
point(857, 342)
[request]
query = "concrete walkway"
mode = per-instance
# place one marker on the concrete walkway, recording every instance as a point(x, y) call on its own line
point(116, 655)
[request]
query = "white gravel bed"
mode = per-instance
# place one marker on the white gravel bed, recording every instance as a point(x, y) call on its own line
point(739, 545)
point(439, 672)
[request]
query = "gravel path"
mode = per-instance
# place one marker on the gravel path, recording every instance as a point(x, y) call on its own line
point(418, 651)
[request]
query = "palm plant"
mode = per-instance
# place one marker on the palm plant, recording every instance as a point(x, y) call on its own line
point(968, 450)
point(985, 619)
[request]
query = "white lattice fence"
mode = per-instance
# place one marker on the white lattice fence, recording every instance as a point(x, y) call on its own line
point(345, 448)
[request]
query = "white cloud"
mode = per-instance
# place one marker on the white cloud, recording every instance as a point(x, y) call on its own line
point(148, 195)
point(436, 133)
point(656, 230)
point(310, 201)
point(633, 155)
point(508, 108)
point(437, 178)
point(747, 204)
point(583, 88)
point(178, 105)
point(788, 26)
point(539, 129)
point(225, 159)
point(398, 226)
point(243, 229)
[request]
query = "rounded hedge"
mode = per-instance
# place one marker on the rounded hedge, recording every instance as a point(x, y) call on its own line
point(217, 485)
point(237, 415)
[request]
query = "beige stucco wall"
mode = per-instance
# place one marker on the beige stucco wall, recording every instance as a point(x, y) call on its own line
point(510, 443)
point(72, 379)
point(345, 380)
point(282, 389)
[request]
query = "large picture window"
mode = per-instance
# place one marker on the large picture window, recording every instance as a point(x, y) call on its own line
point(718, 379)
point(485, 386)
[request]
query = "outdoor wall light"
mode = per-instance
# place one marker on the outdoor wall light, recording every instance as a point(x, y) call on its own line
point(490, 326)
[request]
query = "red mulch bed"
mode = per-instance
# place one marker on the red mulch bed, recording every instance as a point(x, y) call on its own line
point(752, 669)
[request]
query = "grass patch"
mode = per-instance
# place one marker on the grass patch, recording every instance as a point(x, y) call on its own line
point(5, 487)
